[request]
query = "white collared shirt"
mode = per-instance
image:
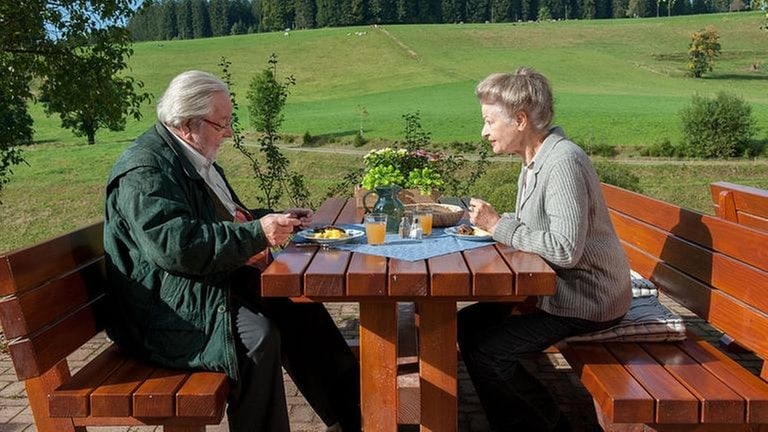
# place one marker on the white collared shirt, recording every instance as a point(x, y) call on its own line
point(205, 168)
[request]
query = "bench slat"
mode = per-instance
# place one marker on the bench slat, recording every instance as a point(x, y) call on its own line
point(72, 399)
point(719, 270)
point(746, 245)
point(30, 311)
point(618, 395)
point(744, 204)
point(114, 397)
point(675, 404)
point(748, 386)
point(203, 395)
point(156, 397)
point(34, 355)
point(23, 269)
point(719, 404)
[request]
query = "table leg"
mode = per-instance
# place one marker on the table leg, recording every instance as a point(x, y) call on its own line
point(437, 366)
point(378, 366)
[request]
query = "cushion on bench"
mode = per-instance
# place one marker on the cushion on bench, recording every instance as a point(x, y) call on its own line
point(646, 321)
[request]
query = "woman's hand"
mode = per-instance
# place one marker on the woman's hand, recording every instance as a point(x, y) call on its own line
point(482, 215)
point(278, 228)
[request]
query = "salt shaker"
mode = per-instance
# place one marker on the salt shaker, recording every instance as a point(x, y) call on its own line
point(405, 227)
point(416, 231)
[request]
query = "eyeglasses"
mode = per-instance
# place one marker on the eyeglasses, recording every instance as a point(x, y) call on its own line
point(216, 126)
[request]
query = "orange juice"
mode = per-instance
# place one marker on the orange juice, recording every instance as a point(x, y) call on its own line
point(426, 223)
point(375, 228)
point(375, 231)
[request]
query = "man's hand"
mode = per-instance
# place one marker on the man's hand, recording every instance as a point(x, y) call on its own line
point(302, 214)
point(482, 215)
point(278, 228)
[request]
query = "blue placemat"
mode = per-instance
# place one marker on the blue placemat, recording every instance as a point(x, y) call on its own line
point(436, 244)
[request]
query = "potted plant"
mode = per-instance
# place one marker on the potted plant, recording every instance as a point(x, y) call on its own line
point(417, 172)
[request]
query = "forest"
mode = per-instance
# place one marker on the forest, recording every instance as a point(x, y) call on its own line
point(194, 19)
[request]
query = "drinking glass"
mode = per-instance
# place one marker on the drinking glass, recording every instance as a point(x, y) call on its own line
point(425, 217)
point(375, 228)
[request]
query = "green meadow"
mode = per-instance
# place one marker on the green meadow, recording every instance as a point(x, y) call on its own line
point(617, 82)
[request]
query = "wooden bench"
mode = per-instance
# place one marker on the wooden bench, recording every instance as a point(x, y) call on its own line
point(744, 205)
point(718, 270)
point(53, 303)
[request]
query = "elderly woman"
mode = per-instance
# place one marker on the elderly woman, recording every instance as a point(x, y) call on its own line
point(561, 216)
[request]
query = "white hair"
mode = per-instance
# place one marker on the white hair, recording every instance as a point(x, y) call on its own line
point(525, 90)
point(189, 96)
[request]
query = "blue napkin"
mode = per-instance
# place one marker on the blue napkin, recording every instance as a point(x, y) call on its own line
point(439, 243)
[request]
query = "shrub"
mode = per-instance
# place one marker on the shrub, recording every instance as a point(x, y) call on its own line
point(593, 148)
point(307, 140)
point(720, 127)
point(617, 175)
point(359, 140)
point(663, 148)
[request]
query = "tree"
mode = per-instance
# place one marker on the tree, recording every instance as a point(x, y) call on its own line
point(272, 15)
point(588, 9)
point(99, 97)
point(266, 100)
point(168, 27)
point(304, 14)
point(184, 19)
point(219, 16)
point(201, 25)
point(703, 49)
point(15, 121)
point(39, 39)
point(328, 13)
point(381, 11)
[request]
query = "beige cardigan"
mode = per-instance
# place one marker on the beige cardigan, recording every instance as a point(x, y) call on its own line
point(564, 219)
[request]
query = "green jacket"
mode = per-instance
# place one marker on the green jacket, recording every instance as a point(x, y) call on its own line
point(170, 256)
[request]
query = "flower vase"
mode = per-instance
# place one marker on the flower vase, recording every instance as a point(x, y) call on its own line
point(389, 204)
point(407, 196)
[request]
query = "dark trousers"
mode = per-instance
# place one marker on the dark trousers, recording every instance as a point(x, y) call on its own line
point(492, 344)
point(302, 338)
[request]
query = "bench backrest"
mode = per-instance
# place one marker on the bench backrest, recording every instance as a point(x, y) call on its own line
point(744, 205)
point(53, 296)
point(716, 268)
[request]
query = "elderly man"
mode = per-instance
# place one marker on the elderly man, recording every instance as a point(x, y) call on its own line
point(177, 240)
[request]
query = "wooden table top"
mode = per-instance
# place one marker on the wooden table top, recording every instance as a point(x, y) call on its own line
point(495, 272)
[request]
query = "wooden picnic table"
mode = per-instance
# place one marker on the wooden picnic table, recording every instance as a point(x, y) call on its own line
point(492, 273)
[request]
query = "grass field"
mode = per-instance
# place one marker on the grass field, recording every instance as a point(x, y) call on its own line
point(618, 82)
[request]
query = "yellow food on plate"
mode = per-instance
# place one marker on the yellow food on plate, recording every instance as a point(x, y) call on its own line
point(330, 233)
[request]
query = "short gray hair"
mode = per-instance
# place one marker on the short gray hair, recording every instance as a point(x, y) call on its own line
point(525, 90)
point(188, 96)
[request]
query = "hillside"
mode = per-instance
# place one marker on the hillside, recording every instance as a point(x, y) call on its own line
point(619, 82)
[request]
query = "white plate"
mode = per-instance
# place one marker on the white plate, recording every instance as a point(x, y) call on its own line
point(479, 235)
point(310, 235)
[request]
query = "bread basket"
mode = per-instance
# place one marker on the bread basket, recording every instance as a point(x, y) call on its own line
point(443, 215)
